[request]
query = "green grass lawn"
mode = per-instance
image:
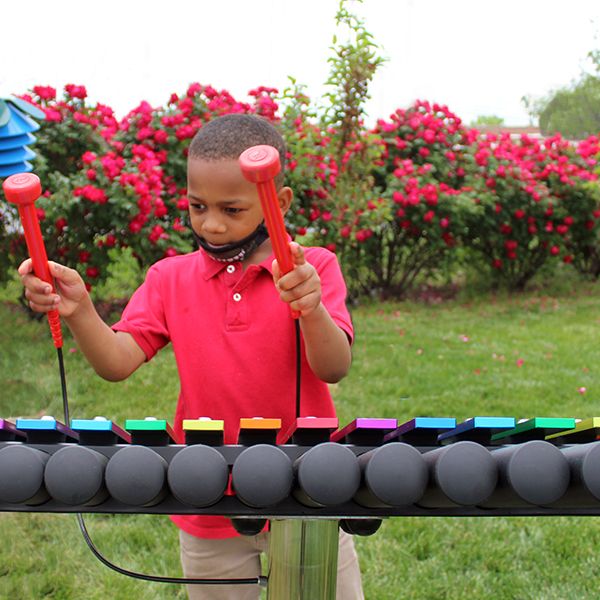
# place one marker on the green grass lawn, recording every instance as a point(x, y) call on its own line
point(521, 356)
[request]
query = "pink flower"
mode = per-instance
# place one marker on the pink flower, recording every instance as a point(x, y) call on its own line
point(76, 91)
point(88, 157)
point(60, 224)
point(161, 136)
point(92, 272)
point(520, 362)
point(582, 390)
point(44, 92)
point(52, 115)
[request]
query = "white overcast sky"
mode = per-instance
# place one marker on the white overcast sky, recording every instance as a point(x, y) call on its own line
point(478, 57)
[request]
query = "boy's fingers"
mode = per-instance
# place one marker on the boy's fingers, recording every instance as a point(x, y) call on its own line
point(62, 273)
point(25, 267)
point(35, 285)
point(276, 271)
point(297, 253)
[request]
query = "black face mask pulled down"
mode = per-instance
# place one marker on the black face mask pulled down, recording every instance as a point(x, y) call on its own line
point(236, 251)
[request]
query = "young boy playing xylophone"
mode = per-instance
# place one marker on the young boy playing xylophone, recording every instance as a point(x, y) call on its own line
point(226, 310)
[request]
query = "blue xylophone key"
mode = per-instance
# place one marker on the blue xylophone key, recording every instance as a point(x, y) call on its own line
point(9, 433)
point(99, 431)
point(46, 430)
point(477, 429)
point(421, 430)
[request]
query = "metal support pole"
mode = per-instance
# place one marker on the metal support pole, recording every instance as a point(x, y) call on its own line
point(303, 557)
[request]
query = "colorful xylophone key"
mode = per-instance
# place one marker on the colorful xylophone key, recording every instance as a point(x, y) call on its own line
point(46, 430)
point(204, 431)
point(310, 431)
point(99, 431)
point(150, 432)
point(366, 432)
point(538, 428)
point(10, 433)
point(586, 430)
point(476, 429)
point(421, 431)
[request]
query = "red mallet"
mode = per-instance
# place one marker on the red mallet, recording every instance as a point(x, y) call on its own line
point(23, 189)
point(260, 165)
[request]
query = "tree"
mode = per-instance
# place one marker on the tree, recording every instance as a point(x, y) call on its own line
point(487, 120)
point(574, 110)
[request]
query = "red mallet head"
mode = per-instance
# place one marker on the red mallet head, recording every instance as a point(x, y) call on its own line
point(22, 188)
point(260, 163)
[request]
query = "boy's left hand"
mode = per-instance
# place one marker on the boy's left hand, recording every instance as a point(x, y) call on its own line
point(301, 287)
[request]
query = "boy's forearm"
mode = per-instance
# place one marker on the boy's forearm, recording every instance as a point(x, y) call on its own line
point(327, 346)
point(113, 356)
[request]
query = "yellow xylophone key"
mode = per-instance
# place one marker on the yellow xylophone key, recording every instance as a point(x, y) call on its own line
point(203, 431)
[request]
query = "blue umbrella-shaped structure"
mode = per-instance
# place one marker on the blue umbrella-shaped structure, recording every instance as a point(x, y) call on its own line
point(16, 127)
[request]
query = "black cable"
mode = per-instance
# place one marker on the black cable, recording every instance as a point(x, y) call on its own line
point(298, 366)
point(260, 580)
point(63, 385)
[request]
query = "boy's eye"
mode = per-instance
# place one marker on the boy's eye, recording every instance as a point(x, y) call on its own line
point(197, 206)
point(233, 211)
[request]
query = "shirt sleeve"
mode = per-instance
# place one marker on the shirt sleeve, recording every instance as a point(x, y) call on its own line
point(144, 316)
point(333, 290)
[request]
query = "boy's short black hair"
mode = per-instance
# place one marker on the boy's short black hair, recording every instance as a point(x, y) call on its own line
point(228, 136)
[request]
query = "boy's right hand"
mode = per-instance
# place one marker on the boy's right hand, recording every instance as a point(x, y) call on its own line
point(70, 289)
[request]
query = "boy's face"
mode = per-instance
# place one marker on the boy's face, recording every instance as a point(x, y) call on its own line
point(224, 207)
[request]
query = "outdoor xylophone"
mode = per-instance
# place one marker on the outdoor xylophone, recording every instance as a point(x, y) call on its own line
point(320, 474)
point(371, 468)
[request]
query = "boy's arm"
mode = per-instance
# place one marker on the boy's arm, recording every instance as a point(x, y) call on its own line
point(113, 355)
point(326, 345)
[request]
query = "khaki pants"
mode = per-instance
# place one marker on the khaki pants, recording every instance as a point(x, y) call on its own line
point(239, 557)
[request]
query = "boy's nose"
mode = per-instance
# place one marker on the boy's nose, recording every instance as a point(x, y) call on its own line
point(213, 224)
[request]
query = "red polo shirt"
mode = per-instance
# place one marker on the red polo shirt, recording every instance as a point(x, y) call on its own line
point(233, 340)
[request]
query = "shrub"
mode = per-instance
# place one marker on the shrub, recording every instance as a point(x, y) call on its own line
point(524, 204)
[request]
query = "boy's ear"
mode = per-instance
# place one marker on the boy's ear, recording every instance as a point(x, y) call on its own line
point(286, 196)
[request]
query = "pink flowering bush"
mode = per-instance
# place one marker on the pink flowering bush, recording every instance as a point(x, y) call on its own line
point(525, 203)
point(398, 203)
point(387, 206)
point(71, 128)
point(120, 184)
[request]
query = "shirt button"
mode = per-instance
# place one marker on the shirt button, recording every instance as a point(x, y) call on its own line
point(237, 297)
point(231, 268)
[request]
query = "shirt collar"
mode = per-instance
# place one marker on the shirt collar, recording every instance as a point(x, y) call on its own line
point(210, 267)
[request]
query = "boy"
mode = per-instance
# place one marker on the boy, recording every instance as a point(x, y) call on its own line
point(232, 336)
